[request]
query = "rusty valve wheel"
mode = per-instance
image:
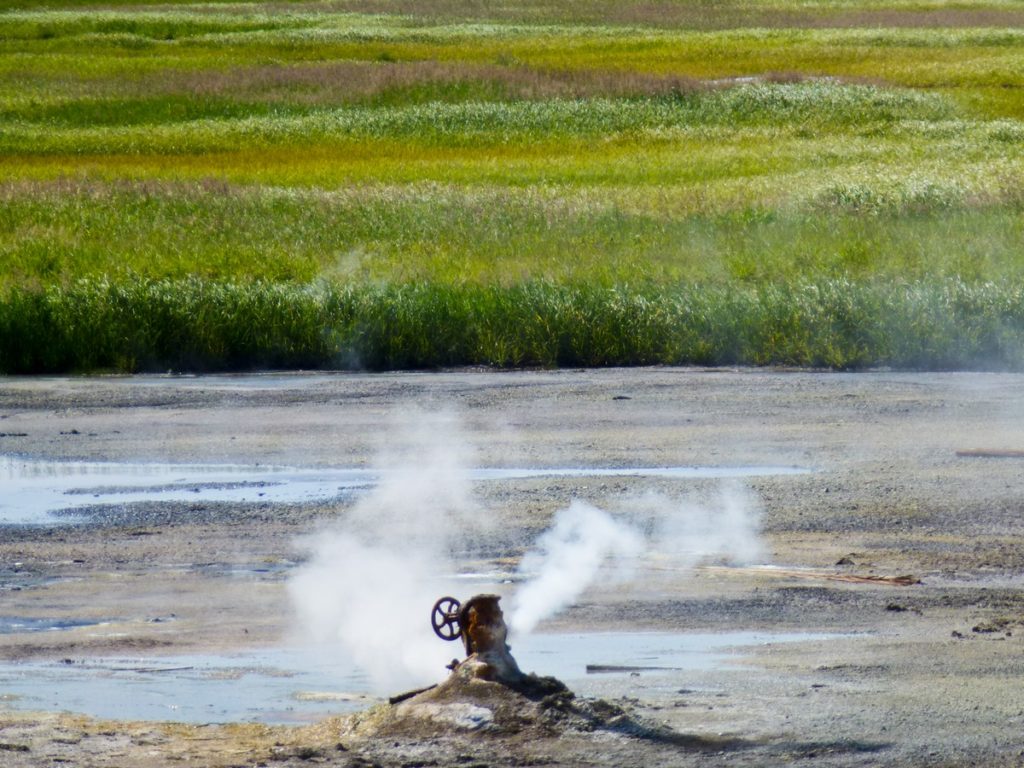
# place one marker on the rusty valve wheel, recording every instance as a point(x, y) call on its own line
point(445, 618)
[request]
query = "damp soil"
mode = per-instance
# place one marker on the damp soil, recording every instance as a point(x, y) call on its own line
point(912, 475)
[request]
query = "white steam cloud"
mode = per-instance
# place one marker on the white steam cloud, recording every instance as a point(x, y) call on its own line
point(371, 580)
point(651, 532)
point(685, 533)
point(583, 541)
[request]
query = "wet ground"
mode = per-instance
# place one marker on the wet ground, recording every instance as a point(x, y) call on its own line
point(169, 575)
point(43, 491)
point(304, 684)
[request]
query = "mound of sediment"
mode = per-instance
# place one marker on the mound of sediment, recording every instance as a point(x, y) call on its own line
point(473, 701)
point(488, 712)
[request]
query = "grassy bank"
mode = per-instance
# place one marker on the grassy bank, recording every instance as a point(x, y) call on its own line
point(392, 184)
point(194, 324)
point(57, 233)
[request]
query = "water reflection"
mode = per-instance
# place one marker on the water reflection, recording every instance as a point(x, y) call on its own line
point(31, 490)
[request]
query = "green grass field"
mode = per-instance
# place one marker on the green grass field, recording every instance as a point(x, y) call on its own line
point(387, 183)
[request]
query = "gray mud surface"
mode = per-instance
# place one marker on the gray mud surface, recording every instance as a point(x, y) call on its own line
point(927, 673)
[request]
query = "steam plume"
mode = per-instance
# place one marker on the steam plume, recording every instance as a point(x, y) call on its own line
point(567, 559)
point(685, 532)
point(585, 542)
point(371, 579)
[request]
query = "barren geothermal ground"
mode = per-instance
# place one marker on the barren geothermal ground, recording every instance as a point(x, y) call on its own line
point(760, 567)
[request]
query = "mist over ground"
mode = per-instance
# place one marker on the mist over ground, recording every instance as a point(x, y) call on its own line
point(374, 573)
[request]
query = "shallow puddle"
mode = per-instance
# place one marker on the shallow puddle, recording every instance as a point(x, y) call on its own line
point(303, 684)
point(16, 579)
point(17, 624)
point(32, 491)
point(269, 686)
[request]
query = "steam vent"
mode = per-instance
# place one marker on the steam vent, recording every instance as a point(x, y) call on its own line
point(481, 625)
point(486, 694)
point(488, 669)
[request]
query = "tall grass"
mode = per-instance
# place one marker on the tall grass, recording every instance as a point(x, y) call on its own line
point(201, 325)
point(699, 14)
point(809, 107)
point(54, 234)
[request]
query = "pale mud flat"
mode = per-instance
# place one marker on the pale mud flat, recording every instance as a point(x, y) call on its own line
point(929, 673)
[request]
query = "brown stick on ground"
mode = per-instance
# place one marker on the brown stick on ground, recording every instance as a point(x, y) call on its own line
point(990, 453)
point(899, 581)
point(852, 578)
